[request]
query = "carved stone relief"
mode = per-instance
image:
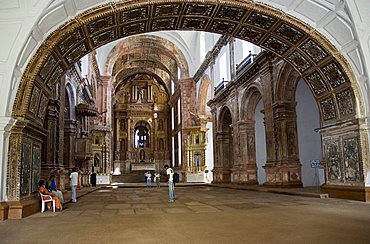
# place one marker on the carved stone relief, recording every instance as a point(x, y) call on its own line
point(351, 160)
point(26, 168)
point(328, 109)
point(313, 50)
point(289, 33)
point(43, 106)
point(316, 82)
point(345, 102)
point(36, 166)
point(299, 61)
point(35, 98)
point(333, 74)
point(333, 162)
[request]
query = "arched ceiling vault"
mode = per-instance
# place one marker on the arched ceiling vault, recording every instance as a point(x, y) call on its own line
point(134, 43)
point(311, 54)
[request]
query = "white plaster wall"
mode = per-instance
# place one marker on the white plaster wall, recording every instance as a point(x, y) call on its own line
point(309, 141)
point(209, 153)
point(260, 143)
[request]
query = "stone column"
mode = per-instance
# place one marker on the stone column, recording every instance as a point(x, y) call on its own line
point(70, 130)
point(267, 81)
point(50, 147)
point(246, 171)
point(346, 160)
point(188, 98)
point(6, 123)
point(286, 170)
point(15, 160)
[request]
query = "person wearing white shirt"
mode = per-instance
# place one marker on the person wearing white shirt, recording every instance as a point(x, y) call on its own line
point(171, 188)
point(74, 180)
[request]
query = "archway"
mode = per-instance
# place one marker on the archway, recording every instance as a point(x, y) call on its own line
point(317, 60)
point(252, 135)
point(225, 150)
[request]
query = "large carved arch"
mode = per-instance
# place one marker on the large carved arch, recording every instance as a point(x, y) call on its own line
point(309, 52)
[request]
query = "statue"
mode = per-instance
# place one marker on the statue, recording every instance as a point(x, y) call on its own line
point(140, 95)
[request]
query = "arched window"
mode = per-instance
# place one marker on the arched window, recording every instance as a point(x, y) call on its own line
point(141, 137)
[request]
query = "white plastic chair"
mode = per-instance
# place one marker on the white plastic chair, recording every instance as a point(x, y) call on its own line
point(47, 199)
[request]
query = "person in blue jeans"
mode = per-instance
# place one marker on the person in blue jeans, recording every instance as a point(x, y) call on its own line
point(171, 187)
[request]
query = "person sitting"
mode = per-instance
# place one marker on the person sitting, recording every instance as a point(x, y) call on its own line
point(52, 187)
point(44, 191)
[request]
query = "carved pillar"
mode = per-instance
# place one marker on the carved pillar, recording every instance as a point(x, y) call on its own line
point(267, 81)
point(286, 170)
point(70, 130)
point(221, 171)
point(188, 98)
point(346, 169)
point(6, 123)
point(50, 147)
point(60, 142)
point(246, 171)
point(15, 160)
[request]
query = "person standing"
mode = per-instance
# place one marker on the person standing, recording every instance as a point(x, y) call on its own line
point(171, 188)
point(74, 180)
point(157, 179)
point(148, 179)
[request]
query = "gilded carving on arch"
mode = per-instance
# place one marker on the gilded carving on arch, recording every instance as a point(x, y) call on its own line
point(163, 24)
point(316, 82)
point(133, 29)
point(55, 77)
point(103, 38)
point(231, 13)
point(47, 67)
point(289, 33)
point(199, 9)
point(134, 14)
point(194, 23)
point(299, 61)
point(345, 100)
point(261, 20)
point(312, 49)
point(100, 24)
point(166, 10)
point(35, 97)
point(77, 53)
point(328, 109)
point(276, 45)
point(70, 41)
point(43, 106)
point(250, 34)
point(333, 74)
point(224, 27)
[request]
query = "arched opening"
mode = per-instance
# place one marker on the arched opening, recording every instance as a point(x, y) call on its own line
point(315, 59)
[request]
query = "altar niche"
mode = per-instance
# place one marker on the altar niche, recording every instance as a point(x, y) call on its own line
point(141, 123)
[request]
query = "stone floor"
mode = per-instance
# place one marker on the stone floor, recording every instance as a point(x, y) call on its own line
point(201, 214)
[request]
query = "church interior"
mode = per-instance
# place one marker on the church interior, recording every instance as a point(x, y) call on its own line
point(242, 94)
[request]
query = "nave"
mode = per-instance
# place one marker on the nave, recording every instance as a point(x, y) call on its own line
point(201, 214)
